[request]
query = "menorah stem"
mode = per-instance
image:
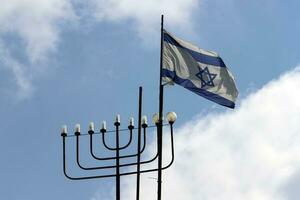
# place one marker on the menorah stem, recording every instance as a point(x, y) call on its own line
point(160, 144)
point(117, 124)
point(139, 146)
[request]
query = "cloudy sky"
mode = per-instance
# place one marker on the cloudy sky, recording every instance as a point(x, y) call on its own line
point(72, 61)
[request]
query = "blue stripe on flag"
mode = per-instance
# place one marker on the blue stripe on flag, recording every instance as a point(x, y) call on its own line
point(199, 57)
point(204, 93)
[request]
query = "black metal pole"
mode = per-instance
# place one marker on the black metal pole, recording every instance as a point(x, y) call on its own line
point(160, 130)
point(117, 124)
point(138, 167)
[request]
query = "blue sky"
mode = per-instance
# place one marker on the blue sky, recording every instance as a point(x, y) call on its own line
point(68, 62)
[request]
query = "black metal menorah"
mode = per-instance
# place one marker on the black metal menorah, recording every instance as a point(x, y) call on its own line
point(123, 162)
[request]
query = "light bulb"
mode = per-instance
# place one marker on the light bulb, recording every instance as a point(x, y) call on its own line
point(91, 126)
point(118, 118)
point(64, 129)
point(144, 120)
point(155, 118)
point(131, 121)
point(171, 117)
point(103, 125)
point(77, 128)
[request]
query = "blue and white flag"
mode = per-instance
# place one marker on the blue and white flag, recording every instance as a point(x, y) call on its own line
point(198, 70)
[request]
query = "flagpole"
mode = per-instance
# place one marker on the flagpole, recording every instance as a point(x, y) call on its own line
point(160, 129)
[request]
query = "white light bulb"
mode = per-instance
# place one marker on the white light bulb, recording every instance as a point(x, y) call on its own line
point(91, 126)
point(155, 118)
point(118, 118)
point(77, 128)
point(103, 125)
point(64, 129)
point(144, 120)
point(171, 117)
point(131, 121)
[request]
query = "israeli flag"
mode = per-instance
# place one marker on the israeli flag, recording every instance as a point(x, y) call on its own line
point(203, 72)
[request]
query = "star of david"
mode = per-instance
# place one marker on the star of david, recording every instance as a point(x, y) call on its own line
point(207, 78)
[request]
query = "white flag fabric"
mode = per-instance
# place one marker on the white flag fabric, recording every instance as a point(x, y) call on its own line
point(201, 71)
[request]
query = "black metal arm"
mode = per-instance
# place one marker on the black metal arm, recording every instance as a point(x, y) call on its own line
point(125, 156)
point(106, 167)
point(120, 148)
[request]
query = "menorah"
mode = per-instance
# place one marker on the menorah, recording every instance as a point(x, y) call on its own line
point(122, 161)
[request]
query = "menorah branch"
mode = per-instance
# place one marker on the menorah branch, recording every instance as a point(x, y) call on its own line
point(120, 148)
point(114, 175)
point(125, 156)
point(112, 166)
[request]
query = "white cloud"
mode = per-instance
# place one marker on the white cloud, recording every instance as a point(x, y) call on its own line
point(22, 78)
point(34, 26)
point(35, 22)
point(146, 14)
point(251, 153)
